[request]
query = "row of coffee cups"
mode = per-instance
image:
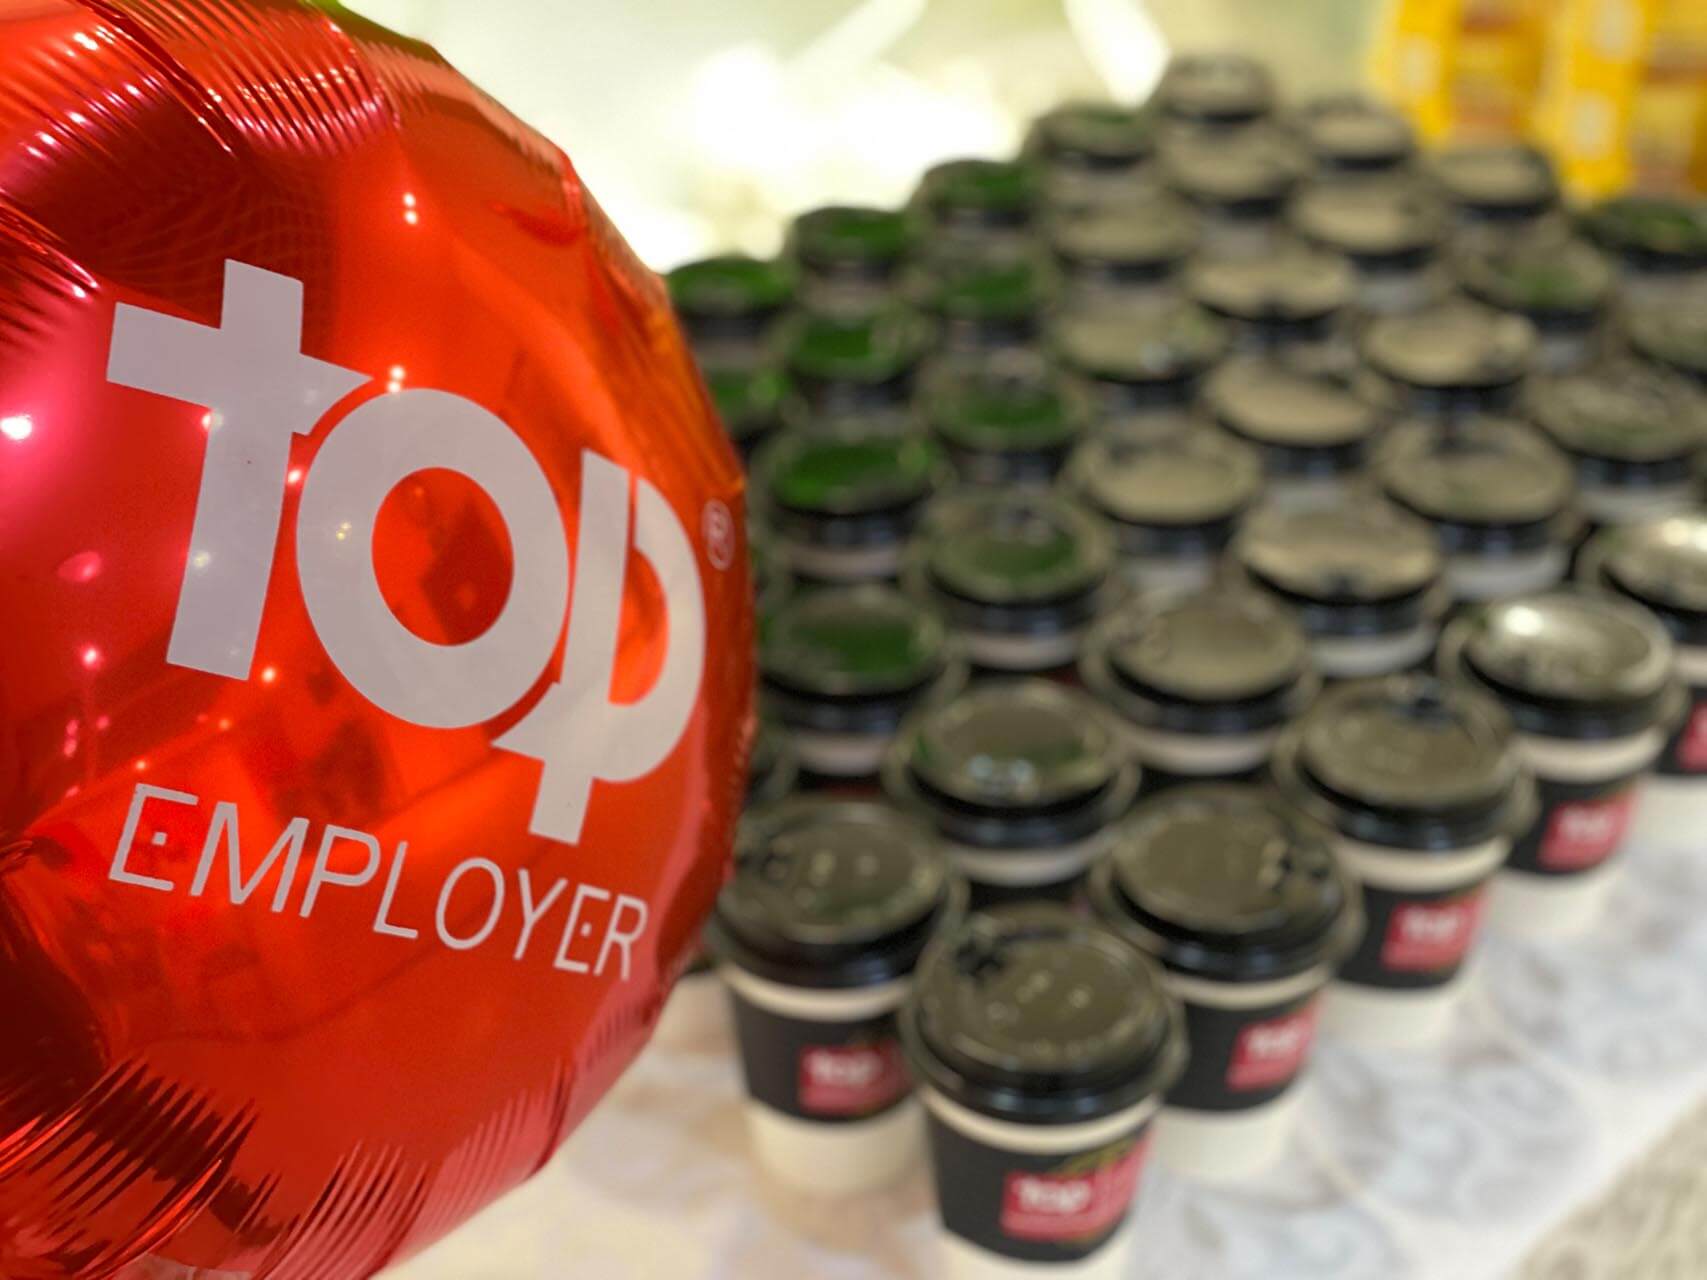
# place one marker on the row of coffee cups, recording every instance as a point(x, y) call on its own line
point(1048, 1049)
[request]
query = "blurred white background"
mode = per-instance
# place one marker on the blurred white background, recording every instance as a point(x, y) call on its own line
point(702, 125)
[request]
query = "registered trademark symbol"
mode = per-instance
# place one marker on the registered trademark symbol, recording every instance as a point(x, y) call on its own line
point(719, 528)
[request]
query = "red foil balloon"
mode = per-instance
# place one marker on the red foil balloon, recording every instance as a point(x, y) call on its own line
point(374, 671)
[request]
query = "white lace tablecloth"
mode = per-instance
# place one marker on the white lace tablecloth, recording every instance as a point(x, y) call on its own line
point(1499, 1154)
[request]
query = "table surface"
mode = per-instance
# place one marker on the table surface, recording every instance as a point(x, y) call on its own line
point(1568, 1062)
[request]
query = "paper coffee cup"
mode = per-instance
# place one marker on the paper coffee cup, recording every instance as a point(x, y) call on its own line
point(1038, 1105)
point(1244, 904)
point(1202, 682)
point(1560, 873)
point(1173, 497)
point(1365, 576)
point(841, 666)
point(815, 936)
point(1662, 565)
point(1499, 497)
point(1423, 786)
point(1019, 574)
point(1589, 680)
point(1022, 781)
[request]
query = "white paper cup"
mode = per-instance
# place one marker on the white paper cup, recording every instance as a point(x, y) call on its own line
point(842, 1058)
point(816, 935)
point(1037, 1149)
point(1048, 1205)
point(1563, 871)
point(1425, 911)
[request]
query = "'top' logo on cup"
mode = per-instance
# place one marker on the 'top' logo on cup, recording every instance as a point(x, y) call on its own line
point(851, 1080)
point(1073, 1204)
point(1272, 1052)
point(1582, 834)
point(1432, 935)
point(260, 391)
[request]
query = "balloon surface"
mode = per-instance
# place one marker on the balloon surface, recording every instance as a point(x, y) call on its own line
point(374, 644)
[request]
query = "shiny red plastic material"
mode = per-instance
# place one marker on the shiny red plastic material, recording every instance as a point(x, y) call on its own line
point(374, 644)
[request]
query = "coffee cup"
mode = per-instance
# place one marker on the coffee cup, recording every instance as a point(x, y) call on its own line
point(842, 497)
point(1631, 434)
point(1203, 682)
point(1022, 780)
point(1365, 577)
point(1423, 788)
point(842, 666)
point(1590, 681)
point(1242, 902)
point(1173, 500)
point(1452, 359)
point(1662, 565)
point(1020, 575)
point(1314, 428)
point(1390, 226)
point(1004, 418)
point(1500, 499)
point(815, 936)
point(1042, 1045)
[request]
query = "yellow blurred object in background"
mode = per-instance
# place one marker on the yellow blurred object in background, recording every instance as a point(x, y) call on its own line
point(1616, 89)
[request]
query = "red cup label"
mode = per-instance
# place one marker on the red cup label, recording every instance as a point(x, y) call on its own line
point(1071, 1205)
point(1423, 936)
point(1584, 833)
point(1691, 753)
point(852, 1079)
point(1270, 1053)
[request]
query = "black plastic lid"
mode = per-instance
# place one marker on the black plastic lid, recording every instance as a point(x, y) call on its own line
point(1383, 221)
point(1179, 493)
point(848, 487)
point(749, 399)
point(1406, 761)
point(1656, 233)
point(1216, 88)
point(832, 894)
point(1290, 285)
point(1227, 883)
point(1129, 243)
point(1003, 403)
point(1660, 564)
point(1144, 347)
point(1038, 1016)
point(1014, 560)
point(980, 194)
point(1221, 661)
point(1451, 346)
point(863, 641)
point(1672, 332)
point(987, 301)
point(1568, 663)
point(773, 767)
point(1487, 485)
point(847, 360)
point(1622, 423)
point(731, 295)
point(1304, 421)
point(856, 241)
point(1501, 180)
point(1349, 132)
point(1101, 136)
point(1556, 281)
point(1013, 764)
point(1357, 566)
point(1250, 170)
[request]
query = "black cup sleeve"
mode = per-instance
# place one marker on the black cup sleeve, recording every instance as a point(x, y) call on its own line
point(1053, 1208)
point(828, 1072)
